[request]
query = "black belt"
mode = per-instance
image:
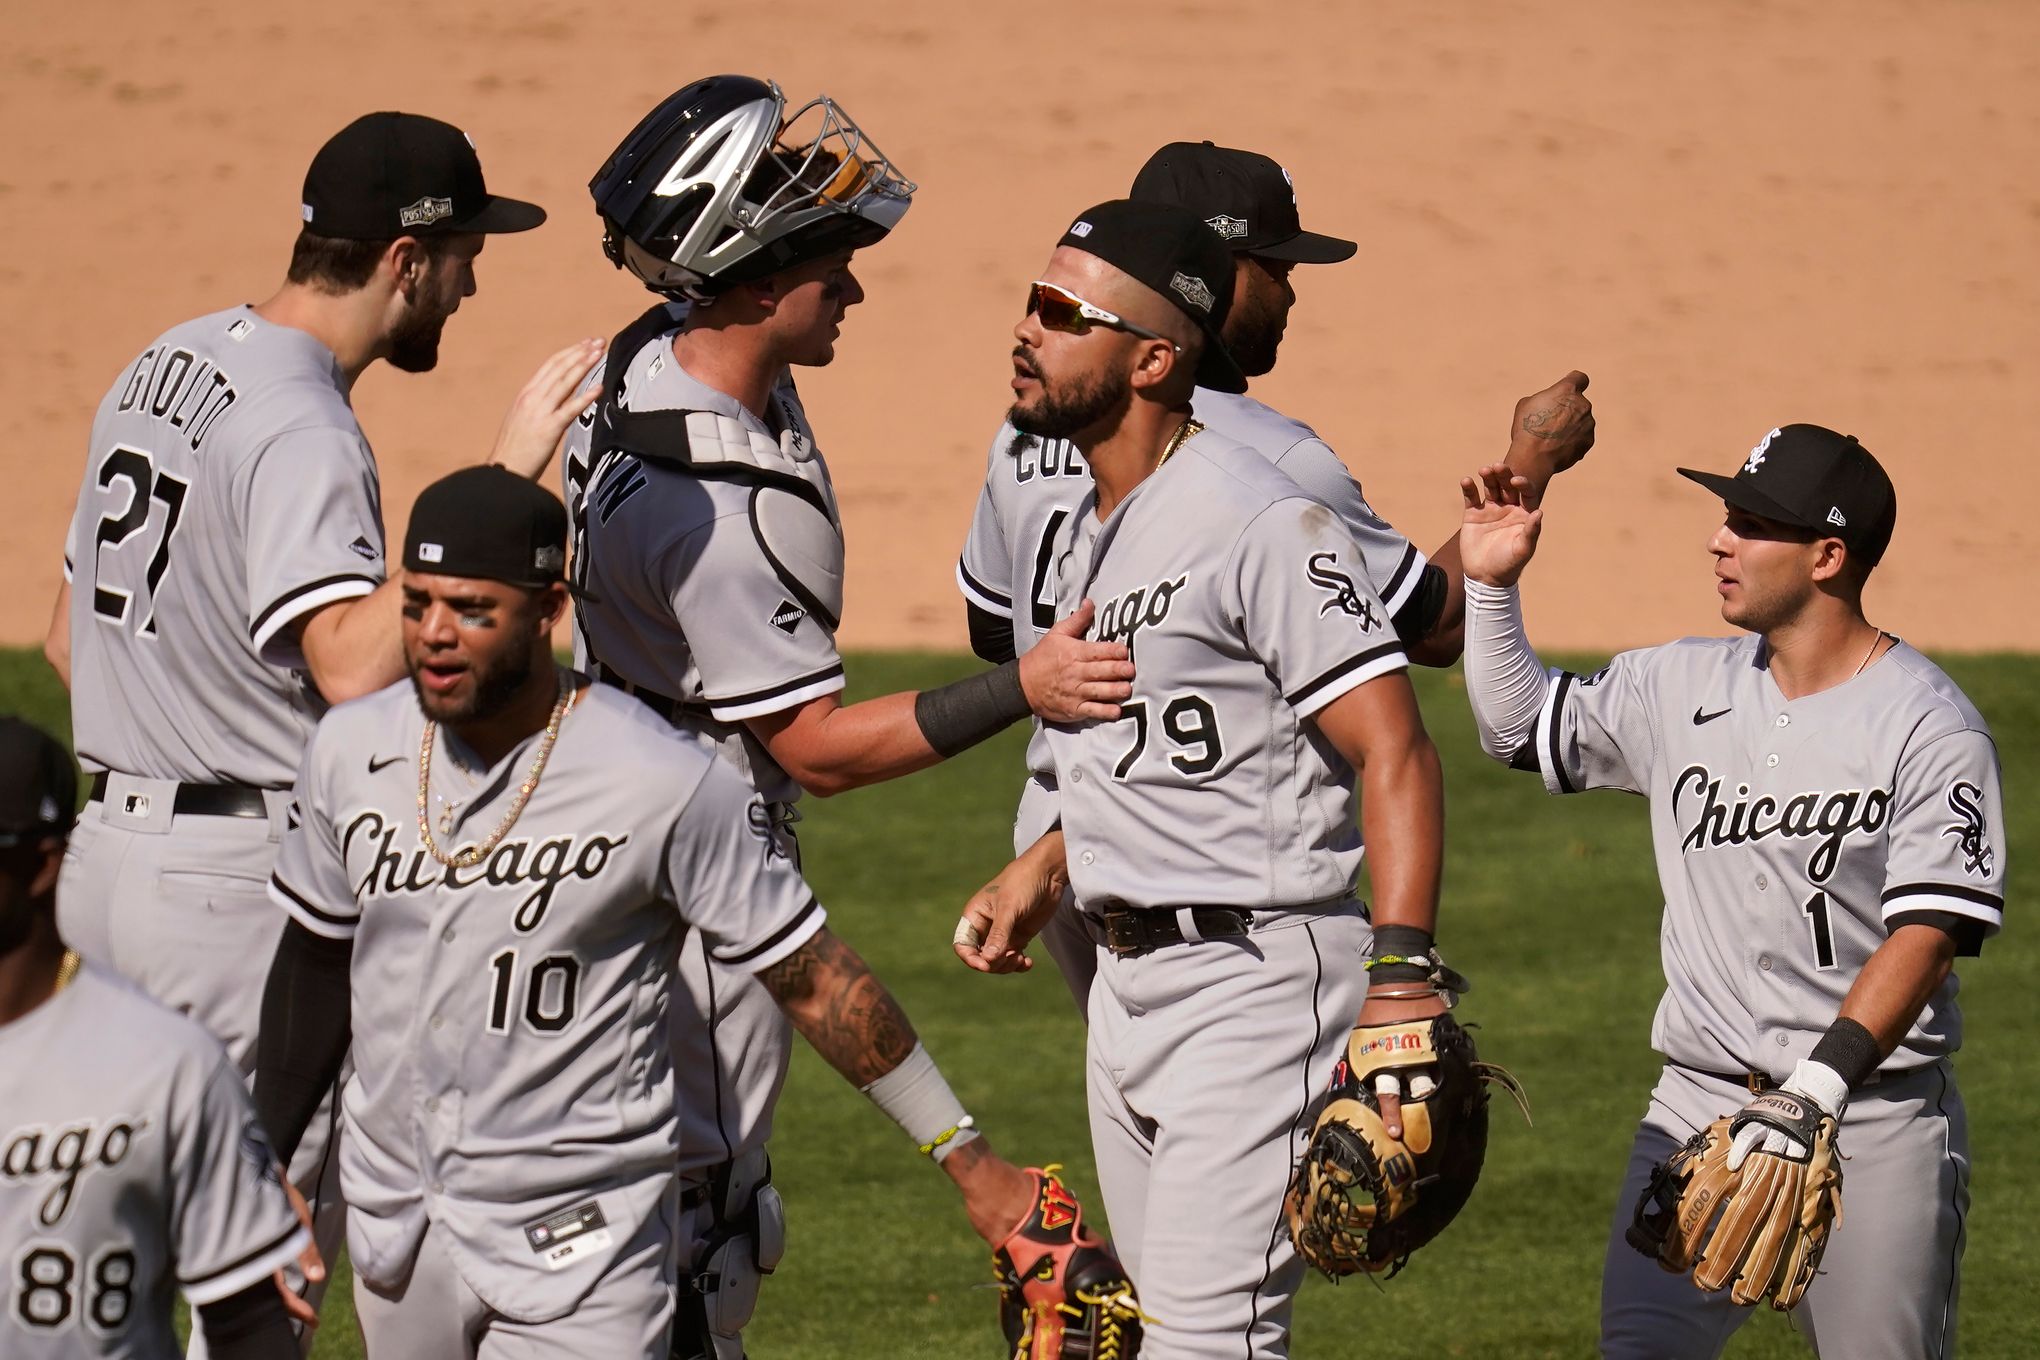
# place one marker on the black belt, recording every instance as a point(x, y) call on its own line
point(1130, 930)
point(667, 707)
point(1756, 1083)
point(203, 800)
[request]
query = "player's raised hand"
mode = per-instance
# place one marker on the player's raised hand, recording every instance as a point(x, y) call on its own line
point(1550, 432)
point(1003, 917)
point(309, 1261)
point(1497, 530)
point(541, 412)
point(1067, 679)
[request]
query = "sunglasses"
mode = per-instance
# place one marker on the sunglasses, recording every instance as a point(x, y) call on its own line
point(1062, 310)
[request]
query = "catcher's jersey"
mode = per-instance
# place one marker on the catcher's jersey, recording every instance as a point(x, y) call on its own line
point(131, 1166)
point(228, 492)
point(1791, 835)
point(1033, 486)
point(1248, 609)
point(513, 1065)
point(685, 593)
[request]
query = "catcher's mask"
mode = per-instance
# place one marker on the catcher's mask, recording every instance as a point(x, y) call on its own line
point(718, 186)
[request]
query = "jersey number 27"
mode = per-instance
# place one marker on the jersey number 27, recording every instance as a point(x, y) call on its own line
point(145, 486)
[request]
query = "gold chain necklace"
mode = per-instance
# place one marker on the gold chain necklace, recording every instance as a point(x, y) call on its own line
point(475, 854)
point(1189, 429)
point(67, 969)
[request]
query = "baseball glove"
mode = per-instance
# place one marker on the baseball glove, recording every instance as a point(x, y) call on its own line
point(1062, 1293)
point(1362, 1201)
point(1760, 1229)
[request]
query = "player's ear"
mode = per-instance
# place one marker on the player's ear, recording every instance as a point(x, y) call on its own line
point(46, 873)
point(1829, 559)
point(550, 606)
point(406, 261)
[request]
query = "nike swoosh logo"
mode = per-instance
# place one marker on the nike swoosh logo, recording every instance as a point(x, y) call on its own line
point(1700, 718)
point(375, 765)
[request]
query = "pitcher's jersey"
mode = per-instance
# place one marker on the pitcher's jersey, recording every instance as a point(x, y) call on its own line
point(1792, 836)
point(513, 1073)
point(131, 1167)
point(1248, 609)
point(228, 492)
point(685, 598)
point(1032, 487)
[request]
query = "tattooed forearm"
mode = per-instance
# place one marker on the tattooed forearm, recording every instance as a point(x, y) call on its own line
point(833, 998)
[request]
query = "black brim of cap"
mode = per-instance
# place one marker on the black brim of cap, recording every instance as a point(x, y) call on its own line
point(1308, 247)
point(500, 216)
point(1744, 496)
point(1215, 367)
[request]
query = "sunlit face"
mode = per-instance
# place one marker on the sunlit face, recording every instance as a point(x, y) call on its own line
point(1064, 383)
point(447, 276)
point(1262, 297)
point(1763, 569)
point(470, 644)
point(811, 301)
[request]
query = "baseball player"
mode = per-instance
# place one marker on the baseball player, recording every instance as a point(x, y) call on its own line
point(711, 548)
point(131, 1165)
point(491, 872)
point(1829, 833)
point(224, 573)
point(1033, 485)
point(1208, 834)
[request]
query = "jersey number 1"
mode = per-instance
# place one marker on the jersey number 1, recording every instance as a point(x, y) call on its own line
point(145, 486)
point(1816, 913)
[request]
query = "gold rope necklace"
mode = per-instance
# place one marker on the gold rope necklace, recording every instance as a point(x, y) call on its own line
point(1188, 430)
point(67, 968)
point(475, 854)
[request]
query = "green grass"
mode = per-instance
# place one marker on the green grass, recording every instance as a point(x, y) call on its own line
point(1552, 906)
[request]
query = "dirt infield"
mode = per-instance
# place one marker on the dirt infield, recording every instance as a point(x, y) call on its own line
point(1731, 214)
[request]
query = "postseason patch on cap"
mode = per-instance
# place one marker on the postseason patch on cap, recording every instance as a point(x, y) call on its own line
point(425, 212)
point(1193, 290)
point(1228, 228)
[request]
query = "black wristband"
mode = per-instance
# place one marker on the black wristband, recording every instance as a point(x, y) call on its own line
point(957, 717)
point(1851, 1050)
point(1406, 942)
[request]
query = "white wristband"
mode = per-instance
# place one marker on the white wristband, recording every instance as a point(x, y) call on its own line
point(915, 1096)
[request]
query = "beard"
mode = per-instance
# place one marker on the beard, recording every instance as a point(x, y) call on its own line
point(1063, 409)
point(495, 685)
point(1256, 334)
point(414, 344)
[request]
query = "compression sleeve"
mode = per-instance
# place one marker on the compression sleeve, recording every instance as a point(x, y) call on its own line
point(1505, 682)
point(249, 1325)
point(991, 636)
point(306, 1026)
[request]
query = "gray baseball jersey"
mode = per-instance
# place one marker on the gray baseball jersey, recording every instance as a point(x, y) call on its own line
point(721, 593)
point(513, 1068)
point(1791, 835)
point(131, 1165)
point(1248, 609)
point(1032, 487)
point(228, 492)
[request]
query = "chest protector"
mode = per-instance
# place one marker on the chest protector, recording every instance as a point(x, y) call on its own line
point(793, 505)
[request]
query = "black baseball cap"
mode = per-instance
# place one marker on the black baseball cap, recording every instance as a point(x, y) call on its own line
point(38, 784)
point(1812, 478)
point(488, 523)
point(1171, 251)
point(387, 175)
point(1248, 199)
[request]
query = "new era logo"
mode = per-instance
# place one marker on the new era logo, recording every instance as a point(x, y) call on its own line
point(549, 558)
point(1836, 518)
point(1193, 290)
point(1080, 229)
point(425, 212)
point(787, 616)
point(1228, 228)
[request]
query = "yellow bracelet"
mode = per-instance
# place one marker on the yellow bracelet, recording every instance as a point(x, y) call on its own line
point(928, 1149)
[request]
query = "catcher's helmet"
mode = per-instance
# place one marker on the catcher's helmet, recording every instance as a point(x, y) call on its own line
point(716, 187)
